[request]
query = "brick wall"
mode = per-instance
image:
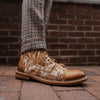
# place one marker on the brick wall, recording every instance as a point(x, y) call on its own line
point(73, 35)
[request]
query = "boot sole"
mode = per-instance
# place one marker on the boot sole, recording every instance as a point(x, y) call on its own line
point(25, 76)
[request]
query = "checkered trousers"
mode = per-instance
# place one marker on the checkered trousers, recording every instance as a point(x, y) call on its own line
point(35, 16)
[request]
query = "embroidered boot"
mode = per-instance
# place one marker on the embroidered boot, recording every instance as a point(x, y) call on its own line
point(40, 66)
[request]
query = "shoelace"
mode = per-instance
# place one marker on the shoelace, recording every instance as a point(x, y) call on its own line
point(63, 65)
point(51, 57)
point(45, 55)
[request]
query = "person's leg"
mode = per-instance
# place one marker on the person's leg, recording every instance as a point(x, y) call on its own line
point(33, 25)
point(36, 63)
point(47, 8)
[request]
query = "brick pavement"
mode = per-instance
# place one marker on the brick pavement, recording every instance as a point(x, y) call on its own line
point(13, 89)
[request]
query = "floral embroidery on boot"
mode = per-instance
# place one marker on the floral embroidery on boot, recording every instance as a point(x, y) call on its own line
point(39, 63)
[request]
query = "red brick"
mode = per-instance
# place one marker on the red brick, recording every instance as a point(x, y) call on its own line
point(95, 78)
point(76, 95)
point(48, 45)
point(14, 46)
point(97, 40)
point(92, 12)
point(93, 88)
point(9, 88)
point(58, 9)
point(94, 70)
point(86, 52)
point(67, 40)
point(3, 46)
point(8, 39)
point(36, 91)
point(67, 28)
point(13, 60)
point(8, 53)
point(3, 69)
point(57, 34)
point(84, 28)
point(11, 71)
point(3, 33)
point(53, 16)
point(93, 46)
point(52, 27)
point(76, 46)
point(93, 59)
point(47, 33)
point(85, 40)
point(52, 40)
point(67, 88)
point(92, 22)
point(76, 34)
point(66, 16)
point(16, 20)
point(78, 60)
point(90, 79)
point(93, 34)
point(9, 84)
point(4, 19)
point(15, 33)
point(10, 11)
point(75, 11)
point(83, 17)
point(9, 96)
point(57, 21)
point(68, 52)
point(96, 28)
point(98, 52)
point(62, 59)
point(53, 52)
point(3, 60)
point(95, 17)
point(76, 22)
point(58, 46)
point(9, 26)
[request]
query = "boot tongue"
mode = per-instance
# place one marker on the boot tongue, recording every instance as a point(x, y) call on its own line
point(49, 57)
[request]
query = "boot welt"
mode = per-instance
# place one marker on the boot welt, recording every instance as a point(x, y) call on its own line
point(25, 76)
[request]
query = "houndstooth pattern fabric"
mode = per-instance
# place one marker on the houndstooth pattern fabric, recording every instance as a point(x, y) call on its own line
point(35, 16)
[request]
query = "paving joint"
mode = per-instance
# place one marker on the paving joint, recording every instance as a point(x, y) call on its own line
point(19, 97)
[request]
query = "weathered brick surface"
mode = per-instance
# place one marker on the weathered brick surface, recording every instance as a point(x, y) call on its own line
point(3, 69)
point(76, 95)
point(10, 72)
point(73, 33)
point(93, 88)
point(13, 89)
point(37, 91)
point(9, 87)
point(9, 96)
point(69, 88)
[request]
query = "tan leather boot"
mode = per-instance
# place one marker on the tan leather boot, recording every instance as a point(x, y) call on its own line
point(40, 66)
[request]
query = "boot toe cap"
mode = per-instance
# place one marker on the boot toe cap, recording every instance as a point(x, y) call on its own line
point(74, 74)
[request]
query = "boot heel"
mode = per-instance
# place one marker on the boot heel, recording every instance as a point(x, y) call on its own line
point(21, 76)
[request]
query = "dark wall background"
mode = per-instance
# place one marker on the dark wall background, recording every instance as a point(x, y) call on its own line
point(73, 35)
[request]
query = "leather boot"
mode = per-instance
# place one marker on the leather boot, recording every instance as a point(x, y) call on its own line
point(39, 65)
